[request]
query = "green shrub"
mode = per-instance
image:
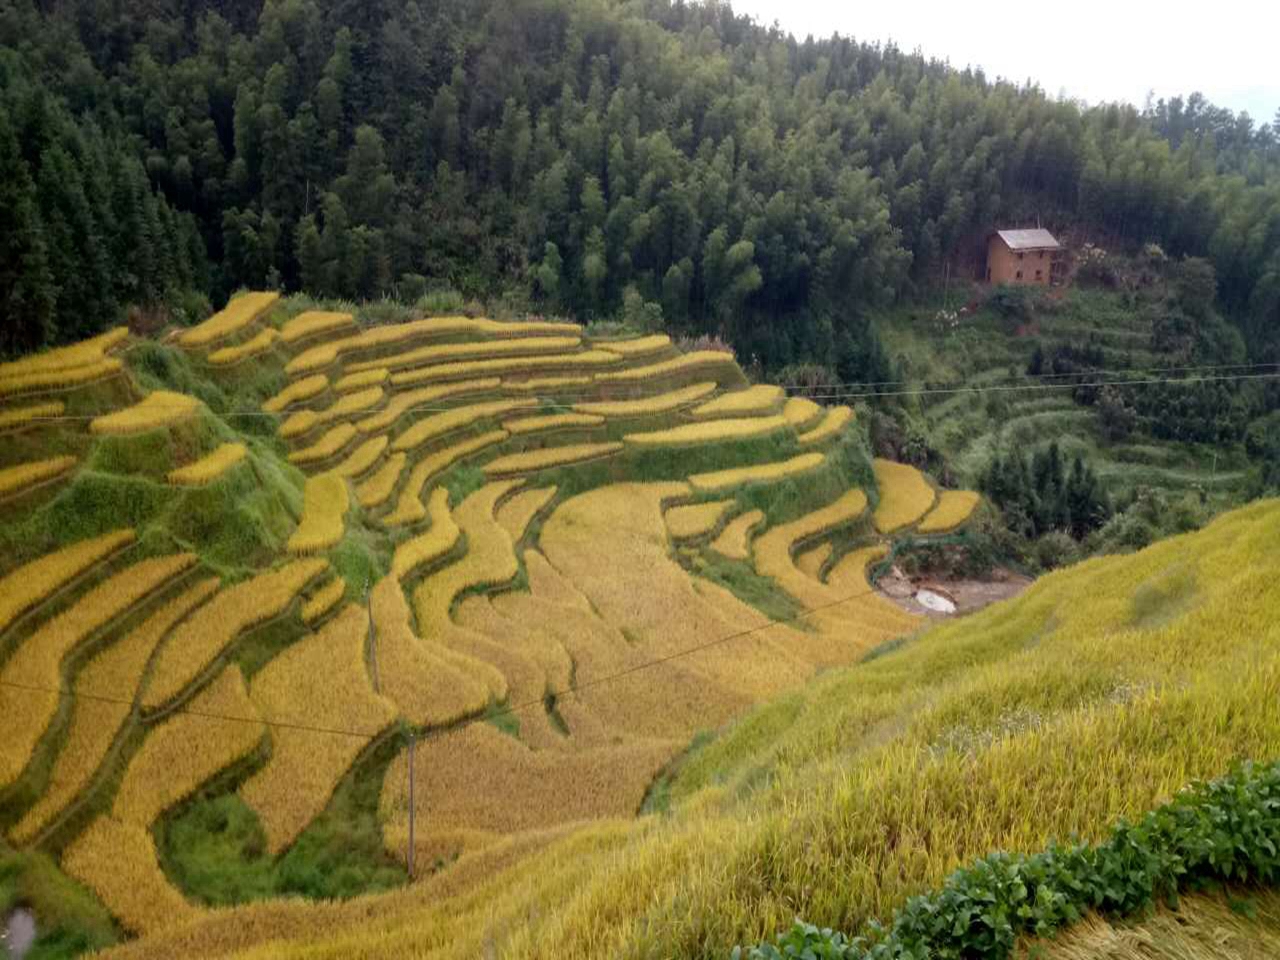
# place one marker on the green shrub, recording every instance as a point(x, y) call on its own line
point(1222, 831)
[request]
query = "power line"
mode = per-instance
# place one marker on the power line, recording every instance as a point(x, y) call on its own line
point(1092, 372)
point(99, 698)
point(570, 690)
point(1000, 388)
point(835, 392)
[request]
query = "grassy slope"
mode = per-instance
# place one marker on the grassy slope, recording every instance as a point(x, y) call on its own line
point(980, 349)
point(1096, 695)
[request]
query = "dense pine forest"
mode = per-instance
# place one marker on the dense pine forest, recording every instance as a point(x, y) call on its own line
point(663, 161)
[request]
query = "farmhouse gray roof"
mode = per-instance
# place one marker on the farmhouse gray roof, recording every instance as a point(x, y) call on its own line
point(1037, 239)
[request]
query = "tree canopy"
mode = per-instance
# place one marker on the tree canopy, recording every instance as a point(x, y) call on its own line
point(673, 155)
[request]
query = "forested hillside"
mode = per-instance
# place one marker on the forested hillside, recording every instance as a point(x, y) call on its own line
point(587, 157)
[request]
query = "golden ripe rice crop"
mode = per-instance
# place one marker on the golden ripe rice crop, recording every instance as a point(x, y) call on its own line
point(755, 401)
point(431, 546)
point(37, 662)
point(298, 424)
point(314, 323)
point(362, 458)
point(157, 410)
point(380, 338)
point(441, 424)
point(489, 559)
point(547, 384)
point(323, 600)
point(86, 353)
point(366, 378)
point(469, 369)
point(953, 509)
point(115, 674)
point(759, 473)
point(209, 468)
point(550, 422)
point(26, 416)
point(810, 561)
point(695, 520)
point(320, 681)
point(849, 574)
point(835, 420)
point(428, 685)
point(299, 391)
point(256, 345)
point(773, 549)
point(524, 789)
point(711, 431)
point(347, 405)
point(377, 489)
point(44, 381)
point(802, 412)
point(240, 313)
point(326, 448)
point(722, 365)
point(516, 513)
point(734, 540)
point(119, 863)
point(421, 401)
point(648, 406)
point(410, 509)
point(638, 346)
point(532, 460)
point(325, 505)
point(40, 579)
point(905, 495)
point(200, 639)
point(182, 752)
point(27, 476)
point(472, 350)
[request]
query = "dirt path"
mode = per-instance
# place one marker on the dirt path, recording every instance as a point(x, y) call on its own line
point(969, 596)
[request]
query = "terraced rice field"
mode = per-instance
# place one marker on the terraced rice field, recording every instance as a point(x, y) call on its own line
point(259, 344)
point(210, 467)
point(905, 495)
point(760, 400)
point(953, 509)
point(696, 520)
point(95, 723)
point(201, 638)
point(157, 411)
point(28, 476)
point(761, 473)
point(297, 392)
point(238, 315)
point(322, 682)
point(32, 674)
point(727, 430)
point(315, 323)
point(491, 594)
point(17, 419)
point(325, 504)
point(648, 406)
point(534, 460)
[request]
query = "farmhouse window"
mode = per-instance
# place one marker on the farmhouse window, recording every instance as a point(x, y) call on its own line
point(1019, 275)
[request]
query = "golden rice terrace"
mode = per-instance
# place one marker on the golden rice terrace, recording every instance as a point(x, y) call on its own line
point(242, 567)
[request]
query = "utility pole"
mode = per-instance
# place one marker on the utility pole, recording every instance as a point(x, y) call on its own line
point(411, 806)
point(373, 639)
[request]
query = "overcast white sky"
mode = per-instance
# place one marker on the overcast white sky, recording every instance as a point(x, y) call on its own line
point(1089, 49)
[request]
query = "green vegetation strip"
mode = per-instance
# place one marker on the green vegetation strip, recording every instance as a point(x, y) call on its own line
point(1215, 832)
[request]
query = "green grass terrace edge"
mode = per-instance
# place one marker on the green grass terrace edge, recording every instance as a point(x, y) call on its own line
point(1224, 831)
